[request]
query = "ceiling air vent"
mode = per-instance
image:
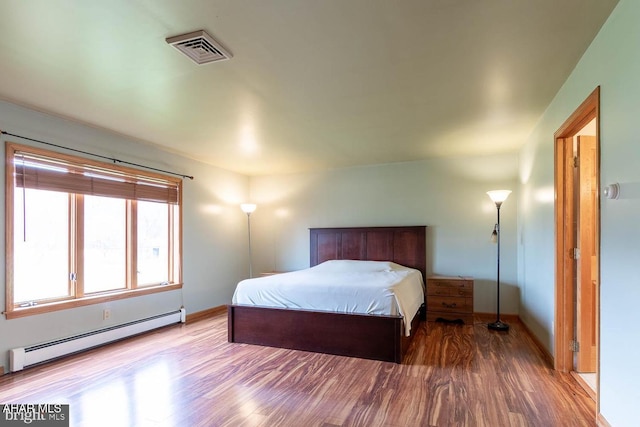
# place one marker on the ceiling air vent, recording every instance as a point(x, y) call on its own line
point(200, 47)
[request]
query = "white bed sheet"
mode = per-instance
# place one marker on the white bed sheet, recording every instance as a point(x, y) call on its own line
point(344, 286)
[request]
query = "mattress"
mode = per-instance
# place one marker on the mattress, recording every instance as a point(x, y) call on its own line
point(343, 286)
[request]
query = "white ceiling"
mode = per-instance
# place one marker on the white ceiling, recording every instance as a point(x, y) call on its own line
point(312, 84)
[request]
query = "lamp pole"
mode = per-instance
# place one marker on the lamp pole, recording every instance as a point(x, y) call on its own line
point(248, 208)
point(249, 228)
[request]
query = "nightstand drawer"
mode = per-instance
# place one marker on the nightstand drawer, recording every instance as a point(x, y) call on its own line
point(462, 288)
point(449, 304)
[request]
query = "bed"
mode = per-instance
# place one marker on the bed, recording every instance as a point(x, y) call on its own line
point(371, 336)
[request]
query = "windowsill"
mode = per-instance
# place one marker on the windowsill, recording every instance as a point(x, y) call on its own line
point(89, 300)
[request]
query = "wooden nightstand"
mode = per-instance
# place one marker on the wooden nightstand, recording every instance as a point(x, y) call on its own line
point(271, 273)
point(450, 299)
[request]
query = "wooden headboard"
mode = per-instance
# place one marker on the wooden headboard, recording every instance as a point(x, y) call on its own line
point(402, 245)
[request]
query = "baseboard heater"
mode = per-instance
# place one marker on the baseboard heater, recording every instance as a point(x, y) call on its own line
point(20, 358)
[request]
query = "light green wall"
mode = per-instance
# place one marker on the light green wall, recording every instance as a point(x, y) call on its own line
point(613, 63)
point(447, 195)
point(214, 228)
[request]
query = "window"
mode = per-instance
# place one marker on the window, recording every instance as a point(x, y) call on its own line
point(81, 232)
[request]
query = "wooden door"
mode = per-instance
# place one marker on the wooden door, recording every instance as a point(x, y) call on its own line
point(587, 263)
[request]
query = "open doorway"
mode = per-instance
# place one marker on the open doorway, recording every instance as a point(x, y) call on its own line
point(577, 177)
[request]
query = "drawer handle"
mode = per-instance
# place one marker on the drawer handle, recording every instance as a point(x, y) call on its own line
point(449, 305)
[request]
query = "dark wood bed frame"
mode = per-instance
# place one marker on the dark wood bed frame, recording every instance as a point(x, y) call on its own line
point(355, 335)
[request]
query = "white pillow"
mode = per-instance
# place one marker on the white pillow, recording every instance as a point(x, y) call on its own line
point(354, 266)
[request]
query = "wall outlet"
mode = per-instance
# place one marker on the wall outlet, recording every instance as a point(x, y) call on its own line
point(106, 314)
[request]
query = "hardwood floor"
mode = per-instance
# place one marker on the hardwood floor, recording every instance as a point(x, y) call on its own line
point(188, 375)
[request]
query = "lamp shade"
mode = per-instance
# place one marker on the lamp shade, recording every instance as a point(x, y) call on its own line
point(248, 207)
point(499, 196)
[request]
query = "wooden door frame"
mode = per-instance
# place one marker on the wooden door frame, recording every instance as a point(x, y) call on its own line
point(564, 217)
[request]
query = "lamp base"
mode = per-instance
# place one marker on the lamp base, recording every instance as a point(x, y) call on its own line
point(498, 326)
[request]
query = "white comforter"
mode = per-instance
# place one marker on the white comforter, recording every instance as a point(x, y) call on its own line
point(345, 286)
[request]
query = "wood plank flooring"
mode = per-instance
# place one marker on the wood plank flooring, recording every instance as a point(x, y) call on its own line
point(188, 375)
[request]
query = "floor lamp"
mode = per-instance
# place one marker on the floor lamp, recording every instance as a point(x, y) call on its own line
point(498, 197)
point(248, 208)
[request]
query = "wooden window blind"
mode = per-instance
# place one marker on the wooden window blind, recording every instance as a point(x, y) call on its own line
point(75, 175)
